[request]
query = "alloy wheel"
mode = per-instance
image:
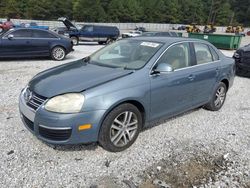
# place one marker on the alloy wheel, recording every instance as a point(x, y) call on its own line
point(58, 53)
point(220, 96)
point(123, 128)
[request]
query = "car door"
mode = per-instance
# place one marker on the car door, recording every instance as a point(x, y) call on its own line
point(86, 33)
point(16, 43)
point(207, 71)
point(41, 41)
point(172, 93)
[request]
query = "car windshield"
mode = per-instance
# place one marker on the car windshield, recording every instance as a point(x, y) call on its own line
point(127, 54)
point(79, 27)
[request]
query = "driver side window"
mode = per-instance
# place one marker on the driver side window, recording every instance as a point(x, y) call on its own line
point(88, 29)
point(177, 56)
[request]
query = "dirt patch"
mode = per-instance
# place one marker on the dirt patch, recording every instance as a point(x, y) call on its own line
point(174, 173)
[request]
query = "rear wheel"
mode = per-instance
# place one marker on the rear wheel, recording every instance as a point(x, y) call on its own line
point(74, 40)
point(101, 42)
point(58, 53)
point(120, 128)
point(109, 41)
point(218, 98)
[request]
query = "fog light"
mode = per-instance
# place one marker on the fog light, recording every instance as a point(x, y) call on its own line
point(84, 127)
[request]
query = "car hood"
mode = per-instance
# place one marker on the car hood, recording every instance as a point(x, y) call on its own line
point(67, 23)
point(73, 77)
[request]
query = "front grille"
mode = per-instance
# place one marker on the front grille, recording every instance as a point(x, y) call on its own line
point(28, 123)
point(35, 101)
point(55, 134)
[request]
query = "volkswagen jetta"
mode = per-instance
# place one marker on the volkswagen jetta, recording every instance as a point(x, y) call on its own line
point(110, 96)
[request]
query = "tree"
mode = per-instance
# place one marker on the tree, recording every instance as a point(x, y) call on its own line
point(172, 11)
point(218, 12)
point(38, 9)
point(59, 8)
point(132, 11)
point(88, 11)
point(115, 11)
point(224, 14)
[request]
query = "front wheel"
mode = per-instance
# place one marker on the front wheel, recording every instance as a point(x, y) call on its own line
point(120, 128)
point(58, 53)
point(218, 98)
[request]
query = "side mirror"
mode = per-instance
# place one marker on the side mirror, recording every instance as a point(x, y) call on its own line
point(163, 68)
point(10, 36)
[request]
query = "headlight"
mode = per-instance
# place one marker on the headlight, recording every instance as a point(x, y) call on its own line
point(67, 103)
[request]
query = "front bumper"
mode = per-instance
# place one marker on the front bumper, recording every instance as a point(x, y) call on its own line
point(56, 128)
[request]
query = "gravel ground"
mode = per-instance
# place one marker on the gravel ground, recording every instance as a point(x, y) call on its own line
point(197, 149)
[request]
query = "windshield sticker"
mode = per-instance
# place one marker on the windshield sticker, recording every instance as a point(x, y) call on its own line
point(150, 44)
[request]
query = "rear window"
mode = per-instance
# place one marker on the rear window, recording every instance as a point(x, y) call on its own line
point(214, 54)
point(203, 54)
point(42, 34)
point(23, 33)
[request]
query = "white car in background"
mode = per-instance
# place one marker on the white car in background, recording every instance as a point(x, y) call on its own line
point(132, 34)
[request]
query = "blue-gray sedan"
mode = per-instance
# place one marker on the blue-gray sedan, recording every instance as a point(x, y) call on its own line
point(110, 96)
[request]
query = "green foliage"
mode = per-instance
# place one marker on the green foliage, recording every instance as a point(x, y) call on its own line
point(218, 12)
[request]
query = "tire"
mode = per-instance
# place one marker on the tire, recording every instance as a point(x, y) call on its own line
point(109, 41)
point(218, 99)
point(74, 40)
point(120, 128)
point(101, 42)
point(58, 53)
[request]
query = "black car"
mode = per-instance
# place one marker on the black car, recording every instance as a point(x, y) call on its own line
point(26, 42)
point(242, 61)
point(90, 33)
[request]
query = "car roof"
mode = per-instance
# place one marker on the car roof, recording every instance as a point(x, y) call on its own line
point(26, 28)
point(166, 40)
point(33, 29)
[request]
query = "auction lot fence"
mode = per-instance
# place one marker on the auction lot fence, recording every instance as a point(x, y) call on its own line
point(121, 26)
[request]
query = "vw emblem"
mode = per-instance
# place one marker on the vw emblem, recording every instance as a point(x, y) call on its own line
point(27, 95)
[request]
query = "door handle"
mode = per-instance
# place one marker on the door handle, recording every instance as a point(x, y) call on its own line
point(191, 77)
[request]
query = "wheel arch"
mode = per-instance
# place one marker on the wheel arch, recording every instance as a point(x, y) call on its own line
point(226, 82)
point(74, 36)
point(57, 45)
point(134, 102)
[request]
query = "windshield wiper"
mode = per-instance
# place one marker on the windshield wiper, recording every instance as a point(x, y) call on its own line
point(126, 68)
